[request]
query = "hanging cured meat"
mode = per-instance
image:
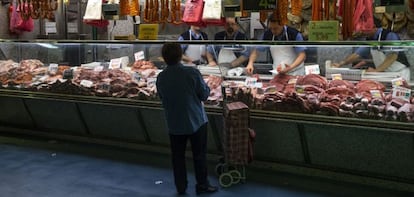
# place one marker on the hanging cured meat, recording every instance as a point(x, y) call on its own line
point(295, 16)
point(317, 10)
point(134, 9)
point(282, 7)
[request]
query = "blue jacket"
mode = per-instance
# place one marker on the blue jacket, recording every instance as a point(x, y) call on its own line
point(182, 90)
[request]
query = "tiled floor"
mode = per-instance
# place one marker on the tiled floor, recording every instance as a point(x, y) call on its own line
point(44, 169)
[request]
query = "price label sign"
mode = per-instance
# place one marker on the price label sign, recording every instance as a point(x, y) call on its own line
point(336, 76)
point(152, 81)
point(312, 69)
point(98, 68)
point(53, 68)
point(300, 89)
point(104, 86)
point(250, 81)
point(139, 55)
point(401, 92)
point(397, 82)
point(292, 81)
point(86, 83)
point(376, 93)
point(136, 76)
point(249, 5)
point(115, 63)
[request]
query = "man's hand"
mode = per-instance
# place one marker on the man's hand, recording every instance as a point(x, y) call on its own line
point(336, 65)
point(249, 69)
point(281, 70)
point(212, 63)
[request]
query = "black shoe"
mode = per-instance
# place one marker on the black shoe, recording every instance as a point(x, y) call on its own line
point(206, 189)
point(182, 193)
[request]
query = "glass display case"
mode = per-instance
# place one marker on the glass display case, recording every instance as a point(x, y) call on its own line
point(128, 70)
point(342, 120)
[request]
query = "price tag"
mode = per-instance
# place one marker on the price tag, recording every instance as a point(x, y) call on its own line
point(86, 83)
point(104, 86)
point(98, 68)
point(336, 76)
point(105, 65)
point(124, 61)
point(250, 81)
point(136, 76)
point(292, 81)
point(258, 85)
point(68, 74)
point(115, 63)
point(151, 81)
point(397, 82)
point(53, 68)
point(376, 93)
point(401, 92)
point(312, 69)
point(300, 89)
point(139, 55)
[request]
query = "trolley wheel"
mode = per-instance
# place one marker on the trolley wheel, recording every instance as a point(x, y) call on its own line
point(225, 180)
point(236, 175)
point(230, 168)
point(219, 169)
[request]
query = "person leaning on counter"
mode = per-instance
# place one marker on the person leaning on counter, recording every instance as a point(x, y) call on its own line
point(292, 57)
point(193, 54)
point(384, 60)
point(235, 58)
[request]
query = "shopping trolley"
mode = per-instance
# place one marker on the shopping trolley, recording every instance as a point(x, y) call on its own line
point(237, 144)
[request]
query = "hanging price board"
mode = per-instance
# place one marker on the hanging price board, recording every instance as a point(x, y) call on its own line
point(148, 32)
point(249, 5)
point(323, 30)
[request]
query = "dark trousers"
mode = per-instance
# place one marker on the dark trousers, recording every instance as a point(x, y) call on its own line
point(198, 142)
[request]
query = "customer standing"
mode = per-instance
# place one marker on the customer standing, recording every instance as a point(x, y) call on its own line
point(182, 91)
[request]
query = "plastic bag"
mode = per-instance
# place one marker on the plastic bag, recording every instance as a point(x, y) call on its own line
point(93, 14)
point(93, 10)
point(213, 13)
point(193, 12)
point(363, 18)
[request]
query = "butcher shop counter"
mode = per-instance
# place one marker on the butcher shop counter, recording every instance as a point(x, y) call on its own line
point(375, 152)
point(314, 143)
